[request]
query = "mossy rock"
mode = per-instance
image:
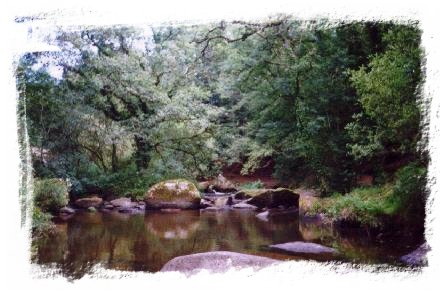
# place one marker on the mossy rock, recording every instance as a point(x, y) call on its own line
point(174, 194)
point(272, 198)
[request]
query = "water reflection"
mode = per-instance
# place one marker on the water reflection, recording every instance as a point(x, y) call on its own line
point(145, 242)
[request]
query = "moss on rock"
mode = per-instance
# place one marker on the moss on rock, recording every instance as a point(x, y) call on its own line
point(176, 193)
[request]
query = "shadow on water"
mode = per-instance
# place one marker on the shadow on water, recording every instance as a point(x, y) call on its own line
point(145, 242)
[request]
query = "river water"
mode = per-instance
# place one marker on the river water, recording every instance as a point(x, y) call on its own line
point(146, 241)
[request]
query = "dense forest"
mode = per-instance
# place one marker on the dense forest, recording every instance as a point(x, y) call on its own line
point(319, 104)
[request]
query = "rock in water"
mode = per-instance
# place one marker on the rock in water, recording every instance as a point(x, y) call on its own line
point(122, 203)
point(174, 194)
point(270, 198)
point(92, 201)
point(66, 211)
point(92, 209)
point(217, 261)
point(304, 248)
point(417, 257)
point(263, 216)
point(221, 184)
point(244, 206)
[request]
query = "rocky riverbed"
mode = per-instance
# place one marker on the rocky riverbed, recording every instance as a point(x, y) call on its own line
point(255, 227)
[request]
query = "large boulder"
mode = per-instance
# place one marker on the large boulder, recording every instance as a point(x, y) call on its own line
point(91, 201)
point(217, 261)
point(304, 248)
point(222, 184)
point(270, 198)
point(174, 194)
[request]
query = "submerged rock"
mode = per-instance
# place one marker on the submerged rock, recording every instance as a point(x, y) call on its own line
point(270, 198)
point(244, 206)
point(66, 211)
point(417, 257)
point(174, 194)
point(304, 248)
point(217, 261)
point(92, 201)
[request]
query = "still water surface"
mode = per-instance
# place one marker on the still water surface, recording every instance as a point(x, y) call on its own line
point(145, 242)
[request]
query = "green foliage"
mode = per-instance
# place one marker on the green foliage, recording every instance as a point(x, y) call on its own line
point(41, 221)
point(252, 185)
point(409, 192)
point(325, 102)
point(404, 199)
point(387, 91)
point(50, 194)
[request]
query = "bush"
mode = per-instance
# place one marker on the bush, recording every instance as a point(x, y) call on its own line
point(50, 194)
point(408, 197)
point(41, 221)
point(403, 200)
point(252, 185)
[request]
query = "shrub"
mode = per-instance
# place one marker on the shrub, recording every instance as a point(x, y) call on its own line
point(403, 199)
point(50, 194)
point(408, 197)
point(41, 221)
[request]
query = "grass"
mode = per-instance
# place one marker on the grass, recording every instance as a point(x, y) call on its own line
point(362, 205)
point(404, 199)
point(252, 185)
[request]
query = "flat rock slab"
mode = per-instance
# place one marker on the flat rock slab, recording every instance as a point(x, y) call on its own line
point(304, 248)
point(416, 257)
point(244, 206)
point(217, 261)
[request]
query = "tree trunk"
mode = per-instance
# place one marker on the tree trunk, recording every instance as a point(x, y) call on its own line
point(114, 158)
point(142, 156)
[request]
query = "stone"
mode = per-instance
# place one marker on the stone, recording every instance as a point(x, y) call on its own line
point(92, 201)
point(272, 198)
point(216, 261)
point(304, 248)
point(66, 210)
point(263, 216)
point(109, 207)
point(221, 184)
point(204, 185)
point(244, 206)
point(223, 201)
point(417, 257)
point(92, 209)
point(140, 207)
point(173, 194)
point(122, 203)
point(205, 203)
